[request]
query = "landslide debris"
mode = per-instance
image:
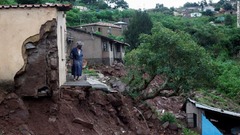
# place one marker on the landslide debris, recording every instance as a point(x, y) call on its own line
point(79, 111)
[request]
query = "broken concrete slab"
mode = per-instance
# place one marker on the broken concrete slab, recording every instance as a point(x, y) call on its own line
point(99, 85)
point(173, 126)
point(80, 83)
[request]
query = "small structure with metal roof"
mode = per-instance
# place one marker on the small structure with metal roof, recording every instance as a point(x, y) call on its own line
point(211, 120)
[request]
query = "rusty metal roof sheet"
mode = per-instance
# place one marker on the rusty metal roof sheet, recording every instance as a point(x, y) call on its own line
point(60, 7)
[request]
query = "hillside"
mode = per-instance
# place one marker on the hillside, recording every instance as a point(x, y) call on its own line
point(78, 111)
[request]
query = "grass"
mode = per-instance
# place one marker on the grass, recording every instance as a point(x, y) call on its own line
point(90, 72)
point(168, 117)
point(214, 98)
point(187, 131)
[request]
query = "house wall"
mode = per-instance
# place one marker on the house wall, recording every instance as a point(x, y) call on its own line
point(106, 53)
point(118, 55)
point(191, 109)
point(92, 48)
point(16, 25)
point(111, 53)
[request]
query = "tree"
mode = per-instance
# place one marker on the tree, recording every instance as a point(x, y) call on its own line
point(162, 9)
point(221, 2)
point(29, 1)
point(227, 6)
point(121, 4)
point(118, 3)
point(101, 4)
point(42, 1)
point(7, 2)
point(229, 20)
point(175, 56)
point(188, 4)
point(139, 24)
point(208, 12)
point(204, 2)
point(210, 2)
point(89, 2)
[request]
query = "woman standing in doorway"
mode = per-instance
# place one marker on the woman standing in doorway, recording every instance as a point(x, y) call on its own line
point(77, 56)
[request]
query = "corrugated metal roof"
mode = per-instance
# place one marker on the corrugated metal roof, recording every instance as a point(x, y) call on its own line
point(102, 24)
point(60, 7)
point(206, 107)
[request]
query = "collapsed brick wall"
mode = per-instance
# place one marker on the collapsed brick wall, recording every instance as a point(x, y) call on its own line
point(40, 71)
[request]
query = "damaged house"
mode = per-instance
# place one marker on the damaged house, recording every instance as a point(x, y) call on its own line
point(97, 49)
point(210, 120)
point(32, 50)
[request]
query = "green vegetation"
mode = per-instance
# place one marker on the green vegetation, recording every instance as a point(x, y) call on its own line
point(89, 72)
point(138, 26)
point(168, 117)
point(189, 132)
point(216, 99)
point(8, 2)
point(75, 17)
point(191, 53)
point(183, 63)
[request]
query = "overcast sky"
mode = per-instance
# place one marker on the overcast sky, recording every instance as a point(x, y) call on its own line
point(146, 4)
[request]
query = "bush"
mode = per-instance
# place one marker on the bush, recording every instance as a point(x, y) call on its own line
point(168, 117)
point(133, 94)
point(189, 132)
point(228, 79)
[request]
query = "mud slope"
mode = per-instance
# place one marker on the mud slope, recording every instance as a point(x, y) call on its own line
point(78, 112)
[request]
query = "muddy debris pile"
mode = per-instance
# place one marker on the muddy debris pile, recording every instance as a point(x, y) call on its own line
point(117, 69)
point(79, 111)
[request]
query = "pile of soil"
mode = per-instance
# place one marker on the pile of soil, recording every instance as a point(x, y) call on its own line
point(79, 111)
point(116, 69)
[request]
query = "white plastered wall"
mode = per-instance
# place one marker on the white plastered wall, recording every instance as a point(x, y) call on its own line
point(61, 41)
point(16, 25)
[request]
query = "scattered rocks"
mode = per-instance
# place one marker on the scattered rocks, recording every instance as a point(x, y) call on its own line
point(170, 104)
point(165, 125)
point(11, 96)
point(3, 111)
point(25, 130)
point(84, 123)
point(116, 69)
point(2, 96)
point(116, 102)
point(173, 126)
point(118, 85)
point(82, 96)
point(54, 109)
point(52, 119)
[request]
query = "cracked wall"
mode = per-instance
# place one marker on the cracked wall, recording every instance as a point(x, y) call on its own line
point(16, 25)
point(40, 70)
point(32, 50)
